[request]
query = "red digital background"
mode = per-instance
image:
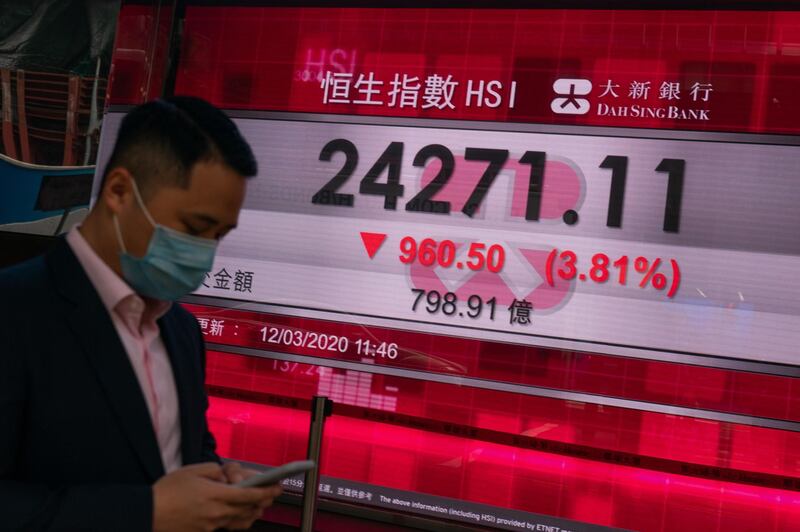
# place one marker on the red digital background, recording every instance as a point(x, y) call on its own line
point(254, 58)
point(637, 469)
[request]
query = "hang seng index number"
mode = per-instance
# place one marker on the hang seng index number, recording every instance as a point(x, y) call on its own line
point(391, 162)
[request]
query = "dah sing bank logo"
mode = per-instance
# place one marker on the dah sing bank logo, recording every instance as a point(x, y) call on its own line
point(569, 101)
point(669, 100)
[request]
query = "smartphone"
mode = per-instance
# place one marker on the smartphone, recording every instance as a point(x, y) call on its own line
point(276, 474)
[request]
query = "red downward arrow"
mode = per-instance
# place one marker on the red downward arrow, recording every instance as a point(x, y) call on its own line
point(372, 241)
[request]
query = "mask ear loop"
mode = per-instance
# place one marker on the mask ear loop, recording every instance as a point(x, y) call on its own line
point(144, 210)
point(119, 234)
point(140, 201)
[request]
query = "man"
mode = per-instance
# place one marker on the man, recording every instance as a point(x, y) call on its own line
point(102, 401)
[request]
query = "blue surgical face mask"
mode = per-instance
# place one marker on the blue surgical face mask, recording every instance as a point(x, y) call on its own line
point(175, 263)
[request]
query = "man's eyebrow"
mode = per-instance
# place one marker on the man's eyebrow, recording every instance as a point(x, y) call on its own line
point(210, 220)
point(203, 218)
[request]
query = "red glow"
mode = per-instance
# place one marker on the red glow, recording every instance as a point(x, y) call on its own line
point(499, 475)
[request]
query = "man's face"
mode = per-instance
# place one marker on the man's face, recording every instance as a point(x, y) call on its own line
point(208, 208)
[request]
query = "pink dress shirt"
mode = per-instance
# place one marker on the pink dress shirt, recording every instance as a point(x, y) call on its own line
point(134, 319)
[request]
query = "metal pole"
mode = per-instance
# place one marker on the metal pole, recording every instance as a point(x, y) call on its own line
point(321, 408)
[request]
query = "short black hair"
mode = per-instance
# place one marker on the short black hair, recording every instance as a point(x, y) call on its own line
point(159, 142)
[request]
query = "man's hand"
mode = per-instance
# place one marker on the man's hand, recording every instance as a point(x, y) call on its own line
point(198, 498)
point(234, 472)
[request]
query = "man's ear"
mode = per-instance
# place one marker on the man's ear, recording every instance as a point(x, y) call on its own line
point(117, 190)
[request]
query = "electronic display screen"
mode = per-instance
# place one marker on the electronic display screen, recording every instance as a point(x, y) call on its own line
point(598, 180)
point(499, 199)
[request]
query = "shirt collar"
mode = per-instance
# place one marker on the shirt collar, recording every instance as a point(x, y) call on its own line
point(111, 288)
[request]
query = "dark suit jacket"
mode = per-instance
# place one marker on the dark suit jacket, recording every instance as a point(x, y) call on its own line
point(77, 447)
